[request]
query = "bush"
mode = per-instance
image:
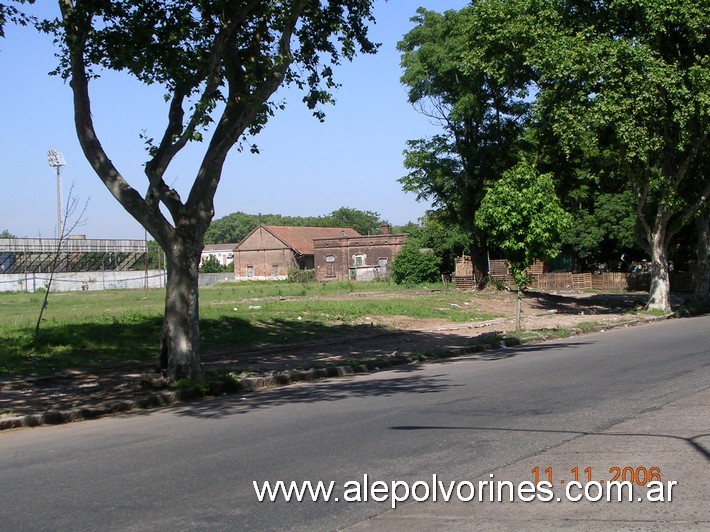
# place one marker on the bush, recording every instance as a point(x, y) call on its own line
point(301, 276)
point(413, 265)
point(212, 265)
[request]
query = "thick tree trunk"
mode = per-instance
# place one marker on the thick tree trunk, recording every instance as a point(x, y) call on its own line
point(702, 275)
point(660, 292)
point(180, 338)
point(479, 258)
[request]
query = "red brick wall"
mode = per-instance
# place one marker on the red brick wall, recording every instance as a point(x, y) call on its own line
point(345, 250)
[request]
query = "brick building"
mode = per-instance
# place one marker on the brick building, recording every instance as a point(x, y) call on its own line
point(270, 251)
point(358, 257)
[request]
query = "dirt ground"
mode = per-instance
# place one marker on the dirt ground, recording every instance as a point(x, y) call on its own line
point(539, 310)
point(541, 314)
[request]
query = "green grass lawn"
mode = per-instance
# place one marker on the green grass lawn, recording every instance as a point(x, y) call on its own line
point(86, 329)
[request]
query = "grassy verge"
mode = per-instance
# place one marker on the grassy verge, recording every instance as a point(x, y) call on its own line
point(89, 329)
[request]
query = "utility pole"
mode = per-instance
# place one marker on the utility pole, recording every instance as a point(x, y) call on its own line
point(56, 160)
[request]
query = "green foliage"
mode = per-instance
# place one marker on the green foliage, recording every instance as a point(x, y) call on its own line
point(412, 265)
point(94, 328)
point(609, 97)
point(607, 231)
point(268, 42)
point(301, 276)
point(448, 241)
point(189, 384)
point(364, 222)
point(212, 265)
point(454, 71)
point(626, 85)
point(523, 218)
point(6, 234)
point(10, 13)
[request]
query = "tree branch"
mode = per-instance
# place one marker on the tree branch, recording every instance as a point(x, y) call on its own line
point(237, 116)
point(76, 38)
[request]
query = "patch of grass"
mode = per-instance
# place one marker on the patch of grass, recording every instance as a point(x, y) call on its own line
point(647, 312)
point(192, 385)
point(694, 309)
point(95, 328)
point(585, 326)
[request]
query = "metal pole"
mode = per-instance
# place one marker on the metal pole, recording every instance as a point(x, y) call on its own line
point(59, 202)
point(56, 160)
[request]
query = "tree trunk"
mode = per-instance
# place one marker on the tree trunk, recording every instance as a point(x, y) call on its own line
point(660, 292)
point(180, 338)
point(702, 275)
point(479, 259)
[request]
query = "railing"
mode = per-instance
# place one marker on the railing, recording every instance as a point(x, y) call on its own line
point(71, 245)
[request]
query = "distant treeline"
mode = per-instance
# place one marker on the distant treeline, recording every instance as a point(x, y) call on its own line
point(234, 227)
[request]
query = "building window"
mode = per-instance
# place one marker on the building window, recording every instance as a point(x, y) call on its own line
point(359, 260)
point(330, 266)
point(383, 266)
point(275, 270)
point(250, 272)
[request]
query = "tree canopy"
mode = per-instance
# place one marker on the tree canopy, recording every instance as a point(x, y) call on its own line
point(610, 97)
point(456, 74)
point(219, 63)
point(523, 218)
point(631, 78)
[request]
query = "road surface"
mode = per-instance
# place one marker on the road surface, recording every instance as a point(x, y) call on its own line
point(193, 466)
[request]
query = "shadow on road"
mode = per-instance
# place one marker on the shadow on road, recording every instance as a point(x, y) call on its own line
point(693, 441)
point(328, 390)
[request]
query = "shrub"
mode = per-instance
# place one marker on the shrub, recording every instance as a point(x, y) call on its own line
point(212, 265)
point(413, 265)
point(301, 276)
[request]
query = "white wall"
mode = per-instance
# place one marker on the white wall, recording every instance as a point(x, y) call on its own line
point(64, 282)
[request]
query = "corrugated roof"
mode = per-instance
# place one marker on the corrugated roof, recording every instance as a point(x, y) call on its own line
point(300, 239)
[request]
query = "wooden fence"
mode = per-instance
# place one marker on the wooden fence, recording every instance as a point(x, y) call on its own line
point(615, 281)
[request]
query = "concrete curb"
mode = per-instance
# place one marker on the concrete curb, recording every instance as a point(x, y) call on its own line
point(258, 383)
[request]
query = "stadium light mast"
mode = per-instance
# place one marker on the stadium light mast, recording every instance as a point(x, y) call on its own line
point(56, 160)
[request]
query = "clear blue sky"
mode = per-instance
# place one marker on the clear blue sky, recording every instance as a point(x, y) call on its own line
point(305, 168)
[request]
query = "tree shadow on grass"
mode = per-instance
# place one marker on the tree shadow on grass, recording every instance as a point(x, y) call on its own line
point(589, 304)
point(64, 345)
point(98, 363)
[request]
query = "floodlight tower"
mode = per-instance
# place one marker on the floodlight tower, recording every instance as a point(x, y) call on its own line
point(56, 160)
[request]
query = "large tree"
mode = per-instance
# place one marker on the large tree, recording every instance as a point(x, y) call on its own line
point(618, 87)
point(463, 71)
point(632, 78)
point(219, 62)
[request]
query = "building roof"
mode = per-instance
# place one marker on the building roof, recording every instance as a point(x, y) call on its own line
point(300, 239)
point(218, 247)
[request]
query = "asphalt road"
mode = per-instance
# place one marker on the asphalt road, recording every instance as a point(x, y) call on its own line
point(192, 467)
